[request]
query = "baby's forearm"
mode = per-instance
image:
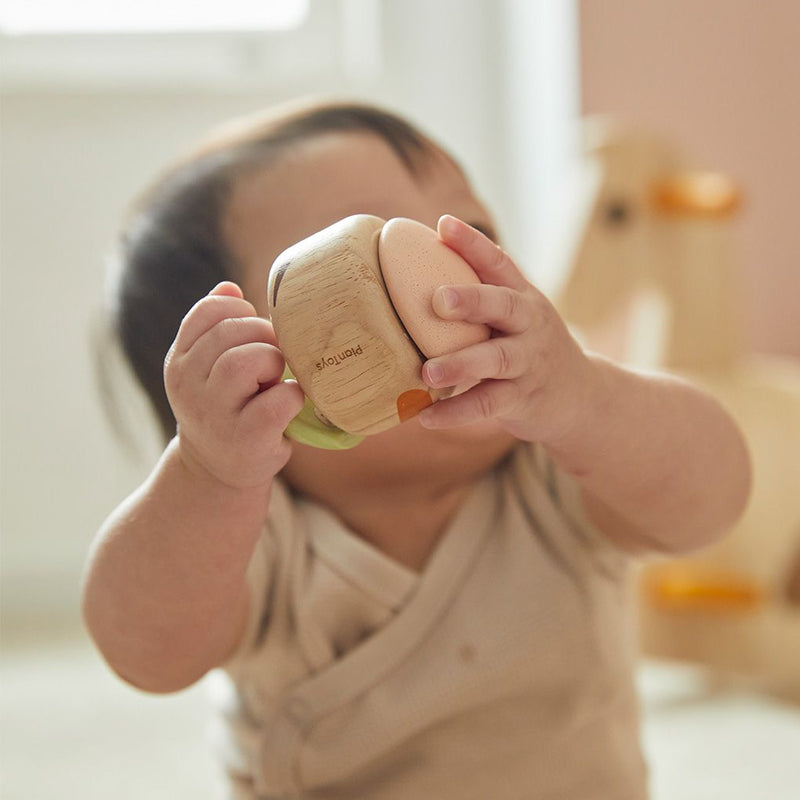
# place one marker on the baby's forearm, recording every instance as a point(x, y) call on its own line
point(661, 464)
point(165, 592)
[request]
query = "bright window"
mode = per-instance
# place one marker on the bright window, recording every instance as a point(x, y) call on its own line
point(149, 16)
point(70, 45)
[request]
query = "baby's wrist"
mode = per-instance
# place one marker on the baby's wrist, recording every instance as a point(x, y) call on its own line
point(208, 480)
point(581, 406)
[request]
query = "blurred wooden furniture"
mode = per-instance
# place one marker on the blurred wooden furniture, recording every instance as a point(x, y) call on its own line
point(649, 276)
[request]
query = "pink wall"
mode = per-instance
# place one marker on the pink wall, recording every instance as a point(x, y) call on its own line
point(723, 78)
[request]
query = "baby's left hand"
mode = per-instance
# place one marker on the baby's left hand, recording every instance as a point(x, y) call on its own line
point(531, 375)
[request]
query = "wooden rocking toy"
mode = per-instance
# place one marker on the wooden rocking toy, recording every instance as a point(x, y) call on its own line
point(649, 277)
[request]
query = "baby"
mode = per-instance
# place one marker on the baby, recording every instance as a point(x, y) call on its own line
point(440, 612)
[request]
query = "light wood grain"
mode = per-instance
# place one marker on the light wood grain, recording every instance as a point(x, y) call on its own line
point(338, 330)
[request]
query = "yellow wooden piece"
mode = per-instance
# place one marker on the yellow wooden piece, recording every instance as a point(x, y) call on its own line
point(708, 195)
point(684, 588)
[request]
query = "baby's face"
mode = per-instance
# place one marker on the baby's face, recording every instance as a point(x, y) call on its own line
point(325, 179)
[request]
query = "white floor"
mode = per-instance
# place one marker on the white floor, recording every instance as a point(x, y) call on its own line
point(70, 729)
point(706, 743)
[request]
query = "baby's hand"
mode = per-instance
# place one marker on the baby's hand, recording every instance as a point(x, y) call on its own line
point(531, 375)
point(223, 380)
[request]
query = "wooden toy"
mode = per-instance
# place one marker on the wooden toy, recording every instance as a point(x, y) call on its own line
point(649, 276)
point(352, 311)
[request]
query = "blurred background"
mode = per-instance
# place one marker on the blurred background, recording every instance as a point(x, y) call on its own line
point(95, 100)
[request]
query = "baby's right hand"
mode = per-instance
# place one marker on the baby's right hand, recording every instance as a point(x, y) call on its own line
point(223, 381)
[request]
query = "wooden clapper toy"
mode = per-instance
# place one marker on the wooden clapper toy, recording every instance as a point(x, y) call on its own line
point(352, 311)
point(648, 274)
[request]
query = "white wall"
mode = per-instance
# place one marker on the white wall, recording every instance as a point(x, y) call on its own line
point(71, 158)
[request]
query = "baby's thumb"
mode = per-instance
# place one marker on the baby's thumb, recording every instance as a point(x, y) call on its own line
point(227, 289)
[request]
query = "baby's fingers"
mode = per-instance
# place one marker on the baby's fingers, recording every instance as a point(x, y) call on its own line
point(226, 335)
point(208, 312)
point(242, 372)
point(487, 400)
point(227, 289)
point(499, 358)
point(504, 309)
point(490, 262)
point(274, 408)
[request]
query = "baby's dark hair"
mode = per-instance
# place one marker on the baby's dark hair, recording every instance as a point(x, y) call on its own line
point(172, 250)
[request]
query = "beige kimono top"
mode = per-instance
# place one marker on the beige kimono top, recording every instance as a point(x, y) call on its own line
point(503, 670)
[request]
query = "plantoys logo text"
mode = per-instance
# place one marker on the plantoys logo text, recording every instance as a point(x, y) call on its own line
point(337, 358)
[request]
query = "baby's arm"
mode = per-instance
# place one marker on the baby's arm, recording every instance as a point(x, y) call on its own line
point(660, 463)
point(165, 594)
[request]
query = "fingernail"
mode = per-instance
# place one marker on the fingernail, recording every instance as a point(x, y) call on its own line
point(427, 419)
point(435, 372)
point(448, 226)
point(449, 298)
point(227, 289)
